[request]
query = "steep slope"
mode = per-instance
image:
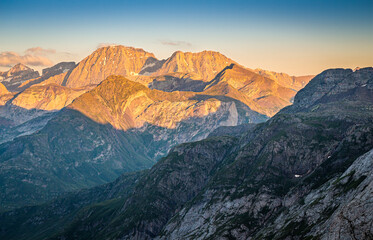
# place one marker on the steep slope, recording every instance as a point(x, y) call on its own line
point(71, 152)
point(16, 76)
point(269, 96)
point(118, 126)
point(50, 218)
point(5, 95)
point(293, 82)
point(106, 61)
point(3, 90)
point(204, 64)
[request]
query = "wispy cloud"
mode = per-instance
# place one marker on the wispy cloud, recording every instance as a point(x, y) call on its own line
point(176, 43)
point(9, 59)
point(40, 51)
point(100, 45)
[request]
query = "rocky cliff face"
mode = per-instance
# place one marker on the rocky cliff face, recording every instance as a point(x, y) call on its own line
point(338, 209)
point(106, 61)
point(17, 75)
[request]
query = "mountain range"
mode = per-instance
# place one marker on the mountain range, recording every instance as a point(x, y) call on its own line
point(306, 173)
point(104, 124)
point(125, 146)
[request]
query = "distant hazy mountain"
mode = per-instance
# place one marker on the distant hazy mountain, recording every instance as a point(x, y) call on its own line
point(16, 76)
point(293, 82)
point(35, 101)
point(61, 68)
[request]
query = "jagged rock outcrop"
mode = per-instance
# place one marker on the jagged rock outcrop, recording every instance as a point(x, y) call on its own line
point(17, 75)
point(106, 61)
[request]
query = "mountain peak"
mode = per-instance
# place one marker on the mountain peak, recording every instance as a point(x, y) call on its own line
point(18, 74)
point(205, 64)
point(120, 48)
point(107, 61)
point(18, 68)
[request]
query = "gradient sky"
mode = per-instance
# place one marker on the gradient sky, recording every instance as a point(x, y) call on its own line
point(298, 37)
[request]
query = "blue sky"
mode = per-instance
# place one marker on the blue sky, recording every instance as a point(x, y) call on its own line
point(296, 37)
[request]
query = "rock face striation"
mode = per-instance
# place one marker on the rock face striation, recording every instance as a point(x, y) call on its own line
point(305, 173)
point(106, 61)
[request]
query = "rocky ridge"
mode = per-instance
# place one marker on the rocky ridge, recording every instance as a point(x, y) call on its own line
point(205, 64)
point(267, 97)
point(293, 82)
